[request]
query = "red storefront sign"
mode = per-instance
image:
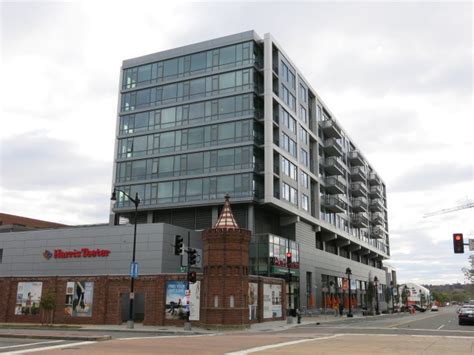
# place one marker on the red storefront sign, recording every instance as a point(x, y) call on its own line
point(76, 253)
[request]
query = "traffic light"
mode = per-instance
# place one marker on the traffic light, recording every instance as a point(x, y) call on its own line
point(458, 242)
point(192, 277)
point(178, 245)
point(288, 259)
point(192, 257)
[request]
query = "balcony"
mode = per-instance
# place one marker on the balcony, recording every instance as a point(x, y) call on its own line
point(376, 232)
point(358, 189)
point(330, 129)
point(377, 219)
point(360, 220)
point(356, 158)
point(332, 147)
point(358, 173)
point(359, 204)
point(334, 166)
point(375, 192)
point(335, 185)
point(376, 205)
point(374, 179)
point(334, 204)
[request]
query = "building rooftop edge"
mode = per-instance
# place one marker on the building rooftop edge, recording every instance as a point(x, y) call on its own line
point(191, 48)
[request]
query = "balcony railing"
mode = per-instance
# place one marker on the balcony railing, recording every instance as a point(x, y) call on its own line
point(375, 192)
point(358, 189)
point(376, 232)
point(358, 173)
point(359, 204)
point(376, 205)
point(377, 218)
point(334, 204)
point(334, 166)
point(332, 147)
point(335, 185)
point(330, 129)
point(356, 158)
point(374, 179)
point(360, 220)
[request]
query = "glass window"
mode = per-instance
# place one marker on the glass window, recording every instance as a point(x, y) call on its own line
point(226, 132)
point(196, 137)
point(144, 73)
point(139, 169)
point(227, 80)
point(225, 157)
point(141, 121)
point(170, 68)
point(167, 142)
point(304, 157)
point(198, 61)
point(165, 191)
point(303, 114)
point(169, 92)
point(226, 105)
point(305, 179)
point(165, 166)
point(168, 117)
point(195, 163)
point(227, 55)
point(225, 184)
point(196, 110)
point(194, 189)
point(305, 202)
point(197, 87)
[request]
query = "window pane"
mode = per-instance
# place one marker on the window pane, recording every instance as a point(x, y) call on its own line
point(227, 55)
point(168, 117)
point(194, 189)
point(225, 184)
point(226, 81)
point(166, 166)
point(170, 68)
point(198, 61)
point(195, 137)
point(195, 163)
point(226, 131)
point(196, 110)
point(226, 105)
point(144, 73)
point(225, 157)
point(141, 121)
point(169, 92)
point(167, 142)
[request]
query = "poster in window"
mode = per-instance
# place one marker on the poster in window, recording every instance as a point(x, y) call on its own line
point(253, 300)
point(82, 298)
point(272, 307)
point(69, 298)
point(28, 297)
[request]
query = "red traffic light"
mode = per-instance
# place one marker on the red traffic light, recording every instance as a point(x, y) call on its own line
point(458, 243)
point(288, 255)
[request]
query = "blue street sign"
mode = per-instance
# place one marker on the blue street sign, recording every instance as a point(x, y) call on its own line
point(134, 269)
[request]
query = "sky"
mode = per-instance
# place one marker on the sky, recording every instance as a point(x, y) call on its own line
point(398, 77)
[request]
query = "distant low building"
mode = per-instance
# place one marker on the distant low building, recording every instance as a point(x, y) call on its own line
point(12, 223)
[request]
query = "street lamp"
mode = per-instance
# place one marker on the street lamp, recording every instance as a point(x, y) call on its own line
point(136, 201)
point(376, 285)
point(349, 273)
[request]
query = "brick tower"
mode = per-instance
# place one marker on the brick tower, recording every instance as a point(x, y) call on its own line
point(225, 269)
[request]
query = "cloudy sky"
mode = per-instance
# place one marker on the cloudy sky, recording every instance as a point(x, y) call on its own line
point(398, 76)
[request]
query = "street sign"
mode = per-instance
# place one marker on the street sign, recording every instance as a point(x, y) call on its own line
point(134, 270)
point(471, 244)
point(183, 269)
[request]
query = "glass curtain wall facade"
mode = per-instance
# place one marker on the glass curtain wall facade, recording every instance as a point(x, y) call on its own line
point(234, 115)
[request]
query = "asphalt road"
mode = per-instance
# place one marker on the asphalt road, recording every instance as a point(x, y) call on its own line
point(423, 333)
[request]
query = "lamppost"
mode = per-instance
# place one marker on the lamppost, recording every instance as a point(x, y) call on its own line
point(136, 201)
point(349, 273)
point(376, 285)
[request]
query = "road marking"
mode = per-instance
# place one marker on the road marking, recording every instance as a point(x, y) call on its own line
point(410, 321)
point(169, 336)
point(394, 329)
point(441, 326)
point(30, 344)
point(279, 345)
point(52, 347)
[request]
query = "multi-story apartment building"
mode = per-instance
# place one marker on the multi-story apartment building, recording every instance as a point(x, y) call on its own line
point(234, 115)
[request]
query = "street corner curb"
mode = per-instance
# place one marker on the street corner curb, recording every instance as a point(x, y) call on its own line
point(57, 337)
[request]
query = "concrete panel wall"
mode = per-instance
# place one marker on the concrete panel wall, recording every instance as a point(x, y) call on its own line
point(23, 251)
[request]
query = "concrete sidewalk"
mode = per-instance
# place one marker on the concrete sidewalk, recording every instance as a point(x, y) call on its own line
point(91, 332)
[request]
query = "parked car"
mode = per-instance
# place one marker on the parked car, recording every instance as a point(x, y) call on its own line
point(434, 308)
point(418, 308)
point(466, 315)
